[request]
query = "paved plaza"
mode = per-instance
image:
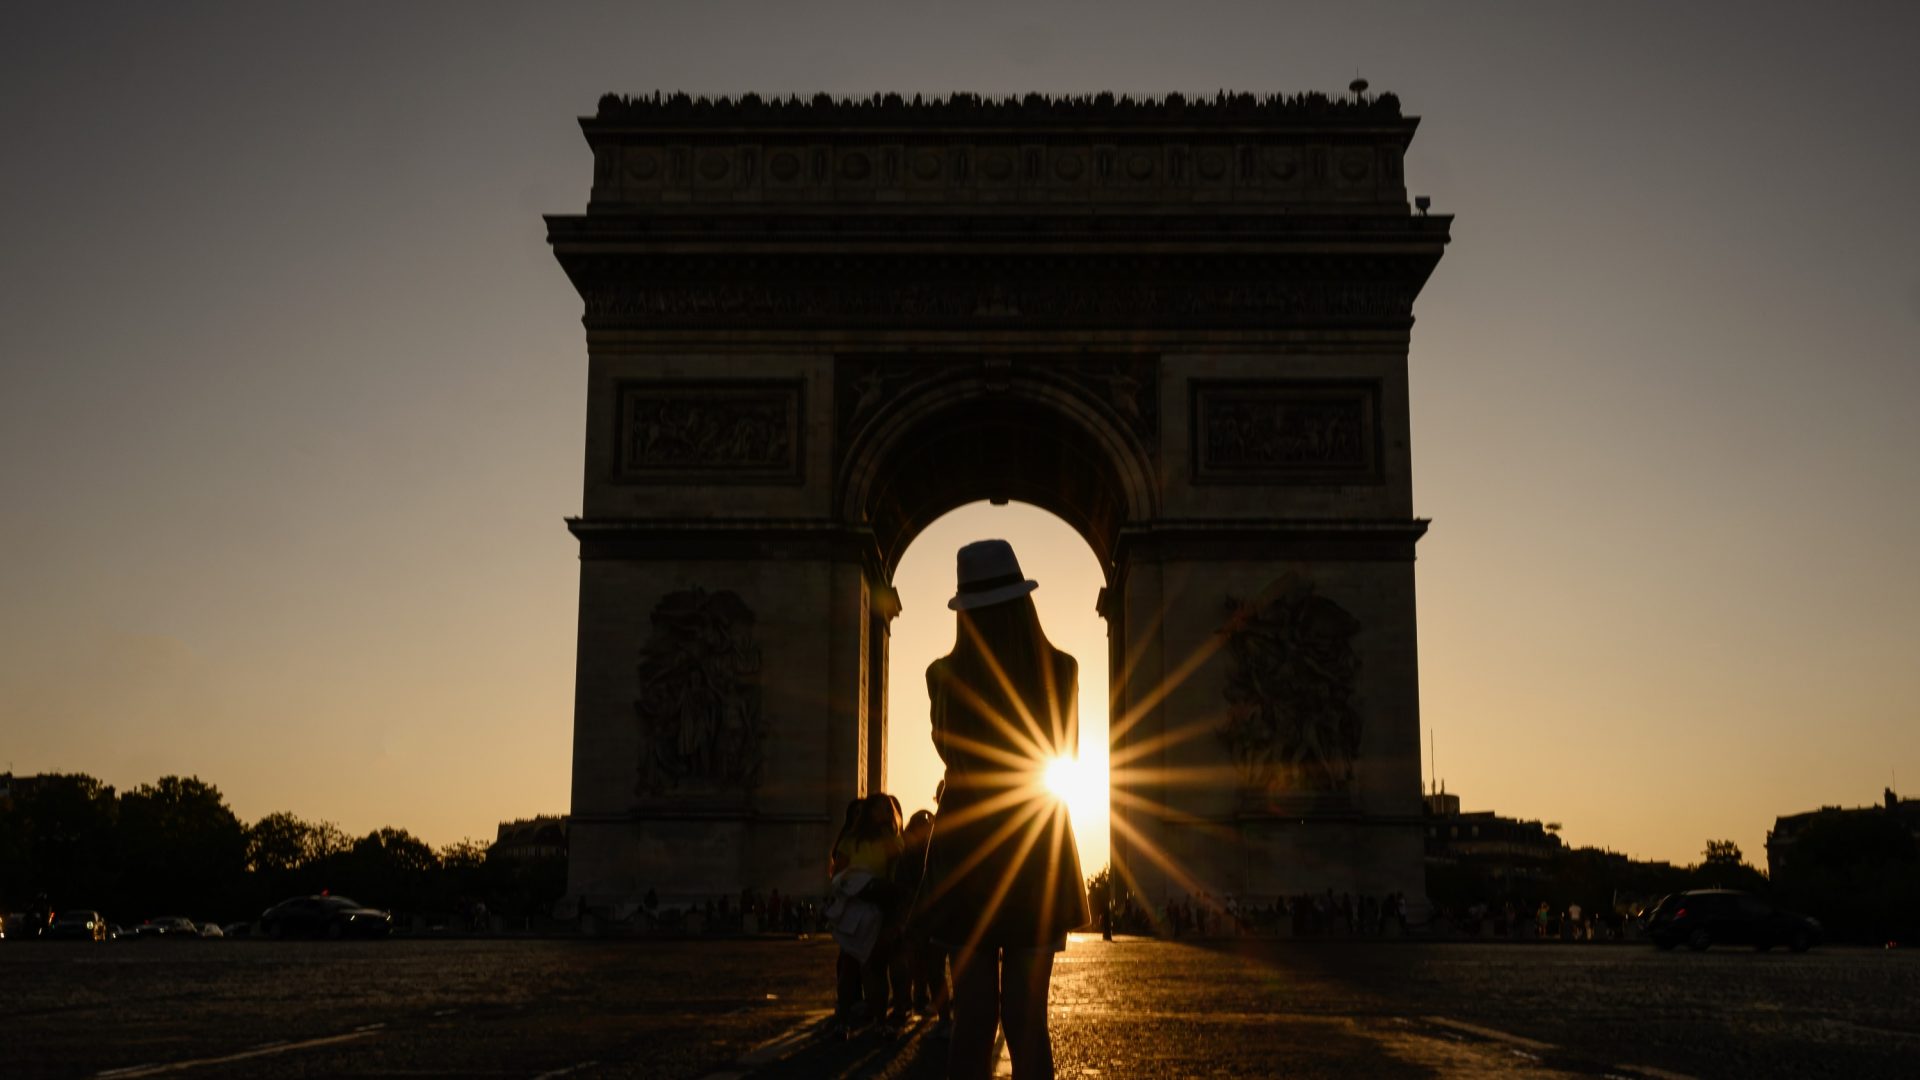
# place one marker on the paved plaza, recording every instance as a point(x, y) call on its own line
point(1130, 1008)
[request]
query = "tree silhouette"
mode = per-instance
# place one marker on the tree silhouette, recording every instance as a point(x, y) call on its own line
point(182, 850)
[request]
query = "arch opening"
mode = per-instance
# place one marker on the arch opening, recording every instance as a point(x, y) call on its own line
point(1052, 552)
point(969, 441)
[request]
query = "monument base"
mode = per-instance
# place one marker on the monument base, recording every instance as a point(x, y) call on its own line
point(688, 861)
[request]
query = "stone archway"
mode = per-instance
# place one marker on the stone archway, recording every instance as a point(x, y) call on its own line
point(1040, 429)
point(1181, 327)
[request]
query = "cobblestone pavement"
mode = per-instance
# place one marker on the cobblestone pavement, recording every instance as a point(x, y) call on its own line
point(1134, 1007)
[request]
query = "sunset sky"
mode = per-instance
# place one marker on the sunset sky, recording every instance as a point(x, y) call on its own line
point(292, 390)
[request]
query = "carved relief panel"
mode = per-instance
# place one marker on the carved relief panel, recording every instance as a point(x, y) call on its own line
point(698, 705)
point(683, 431)
point(1292, 431)
point(1293, 719)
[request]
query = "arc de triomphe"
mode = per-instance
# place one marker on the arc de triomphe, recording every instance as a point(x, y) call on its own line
point(814, 326)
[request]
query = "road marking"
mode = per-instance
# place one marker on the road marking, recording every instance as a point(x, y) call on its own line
point(132, 1071)
point(1656, 1073)
point(1491, 1033)
point(565, 1071)
point(778, 1046)
point(773, 1049)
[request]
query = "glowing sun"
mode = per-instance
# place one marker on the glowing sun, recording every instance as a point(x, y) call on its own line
point(1074, 783)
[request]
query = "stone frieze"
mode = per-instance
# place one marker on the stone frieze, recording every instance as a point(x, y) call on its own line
point(1126, 303)
point(709, 431)
point(1286, 431)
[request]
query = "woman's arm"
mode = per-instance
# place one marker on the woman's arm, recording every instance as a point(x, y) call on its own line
point(1070, 711)
point(937, 707)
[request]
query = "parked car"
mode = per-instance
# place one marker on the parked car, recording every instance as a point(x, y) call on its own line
point(1706, 917)
point(78, 924)
point(324, 916)
point(237, 929)
point(22, 926)
point(211, 930)
point(178, 927)
point(115, 932)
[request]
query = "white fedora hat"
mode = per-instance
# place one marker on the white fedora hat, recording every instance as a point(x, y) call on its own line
point(989, 574)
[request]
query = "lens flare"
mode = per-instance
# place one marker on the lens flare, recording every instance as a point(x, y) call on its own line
point(1067, 780)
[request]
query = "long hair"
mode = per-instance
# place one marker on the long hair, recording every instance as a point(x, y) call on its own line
point(856, 811)
point(879, 806)
point(1002, 654)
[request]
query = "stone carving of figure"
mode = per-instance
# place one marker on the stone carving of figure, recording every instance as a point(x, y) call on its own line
point(699, 701)
point(1292, 724)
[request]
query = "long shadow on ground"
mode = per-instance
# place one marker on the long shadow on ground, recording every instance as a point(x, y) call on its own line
point(915, 1055)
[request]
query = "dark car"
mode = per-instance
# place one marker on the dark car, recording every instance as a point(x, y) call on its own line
point(76, 924)
point(175, 927)
point(324, 916)
point(25, 925)
point(1707, 917)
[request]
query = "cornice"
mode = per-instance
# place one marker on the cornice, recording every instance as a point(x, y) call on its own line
point(961, 110)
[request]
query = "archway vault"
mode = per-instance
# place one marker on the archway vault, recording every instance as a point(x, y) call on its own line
point(996, 430)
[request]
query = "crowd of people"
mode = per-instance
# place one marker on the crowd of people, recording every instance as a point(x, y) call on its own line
point(1322, 914)
point(1513, 921)
point(887, 966)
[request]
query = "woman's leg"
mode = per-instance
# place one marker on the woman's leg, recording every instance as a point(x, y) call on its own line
point(939, 991)
point(1023, 991)
point(976, 1014)
point(873, 980)
point(847, 980)
point(898, 951)
point(915, 951)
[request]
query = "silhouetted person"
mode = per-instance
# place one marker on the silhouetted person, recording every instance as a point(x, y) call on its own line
point(846, 965)
point(1003, 884)
point(926, 962)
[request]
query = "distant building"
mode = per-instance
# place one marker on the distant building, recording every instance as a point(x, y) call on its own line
point(1484, 836)
point(1786, 830)
point(531, 838)
point(16, 787)
point(1482, 856)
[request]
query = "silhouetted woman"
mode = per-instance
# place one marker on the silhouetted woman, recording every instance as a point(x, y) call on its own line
point(1002, 884)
